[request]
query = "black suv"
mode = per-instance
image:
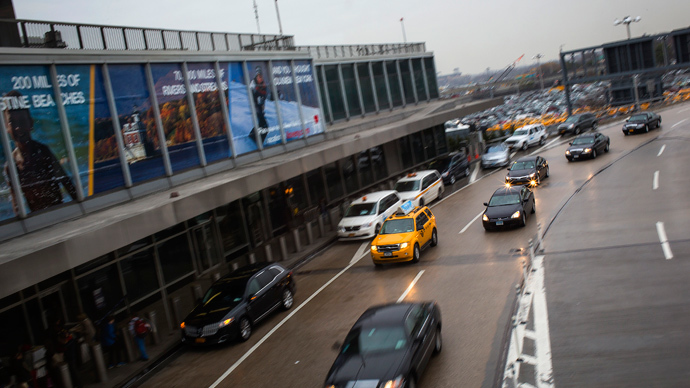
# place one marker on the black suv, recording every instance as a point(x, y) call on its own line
point(451, 167)
point(577, 123)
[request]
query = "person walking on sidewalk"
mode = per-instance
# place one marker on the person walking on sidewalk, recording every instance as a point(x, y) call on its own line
point(139, 328)
point(112, 343)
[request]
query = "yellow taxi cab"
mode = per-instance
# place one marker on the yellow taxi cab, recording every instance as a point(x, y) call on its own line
point(404, 235)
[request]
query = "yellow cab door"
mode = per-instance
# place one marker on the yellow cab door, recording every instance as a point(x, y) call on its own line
point(422, 228)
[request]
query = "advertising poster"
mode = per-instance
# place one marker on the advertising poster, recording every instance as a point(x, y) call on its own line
point(202, 81)
point(264, 105)
point(6, 210)
point(91, 128)
point(137, 119)
point(287, 99)
point(37, 143)
point(239, 110)
point(310, 101)
point(177, 121)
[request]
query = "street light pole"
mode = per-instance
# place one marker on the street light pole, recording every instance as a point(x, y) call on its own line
point(627, 20)
point(403, 30)
point(280, 26)
point(539, 74)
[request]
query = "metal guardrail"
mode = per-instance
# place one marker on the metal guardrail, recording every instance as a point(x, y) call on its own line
point(34, 33)
point(362, 50)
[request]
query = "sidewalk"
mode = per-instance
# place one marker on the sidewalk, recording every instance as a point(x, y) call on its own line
point(134, 373)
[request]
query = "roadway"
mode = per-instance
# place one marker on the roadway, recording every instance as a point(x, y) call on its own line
point(471, 274)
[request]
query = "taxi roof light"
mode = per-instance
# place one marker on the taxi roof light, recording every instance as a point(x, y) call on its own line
point(405, 208)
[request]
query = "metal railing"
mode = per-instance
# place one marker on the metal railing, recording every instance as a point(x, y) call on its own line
point(34, 33)
point(362, 50)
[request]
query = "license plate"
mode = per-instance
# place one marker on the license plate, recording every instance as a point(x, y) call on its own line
point(630, 130)
point(387, 254)
point(200, 340)
point(499, 223)
point(351, 235)
point(576, 156)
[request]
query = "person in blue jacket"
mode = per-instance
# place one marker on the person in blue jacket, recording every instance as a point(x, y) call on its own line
point(112, 343)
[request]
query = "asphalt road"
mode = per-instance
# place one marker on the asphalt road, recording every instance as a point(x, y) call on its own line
point(472, 275)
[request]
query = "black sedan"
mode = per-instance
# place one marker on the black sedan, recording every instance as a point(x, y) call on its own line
point(508, 206)
point(641, 122)
point(389, 346)
point(237, 302)
point(588, 145)
point(528, 170)
point(451, 167)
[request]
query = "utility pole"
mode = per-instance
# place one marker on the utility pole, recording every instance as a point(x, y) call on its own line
point(403, 29)
point(256, 15)
point(539, 74)
point(280, 26)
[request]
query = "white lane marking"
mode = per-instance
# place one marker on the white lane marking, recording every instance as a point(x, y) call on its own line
point(438, 202)
point(470, 223)
point(544, 367)
point(360, 253)
point(679, 123)
point(664, 240)
point(473, 176)
point(683, 110)
point(262, 340)
point(546, 145)
point(512, 155)
point(655, 181)
point(402, 297)
point(661, 151)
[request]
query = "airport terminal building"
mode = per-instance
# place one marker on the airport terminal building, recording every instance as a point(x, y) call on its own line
point(139, 161)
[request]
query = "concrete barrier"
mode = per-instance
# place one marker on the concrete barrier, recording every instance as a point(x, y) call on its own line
point(283, 248)
point(295, 236)
point(99, 361)
point(151, 316)
point(269, 252)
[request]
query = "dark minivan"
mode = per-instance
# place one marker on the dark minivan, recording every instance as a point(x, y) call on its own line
point(451, 167)
point(578, 123)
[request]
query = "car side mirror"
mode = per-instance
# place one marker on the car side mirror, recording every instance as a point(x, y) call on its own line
point(571, 143)
point(508, 168)
point(486, 204)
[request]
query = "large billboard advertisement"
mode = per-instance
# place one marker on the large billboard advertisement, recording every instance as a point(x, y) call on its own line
point(6, 210)
point(304, 76)
point(142, 147)
point(202, 81)
point(287, 99)
point(37, 143)
point(239, 109)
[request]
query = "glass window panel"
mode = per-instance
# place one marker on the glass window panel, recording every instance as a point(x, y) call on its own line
point(365, 84)
point(231, 227)
point(287, 100)
point(175, 257)
point(95, 263)
point(333, 181)
point(91, 128)
point(380, 81)
point(278, 211)
point(206, 245)
point(264, 104)
point(296, 195)
point(165, 233)
point(137, 118)
point(139, 272)
point(239, 108)
point(378, 161)
point(429, 146)
point(100, 291)
point(310, 100)
point(9, 300)
point(394, 83)
point(33, 125)
point(350, 85)
point(317, 189)
point(202, 81)
point(406, 152)
point(431, 76)
point(322, 91)
point(417, 147)
point(441, 143)
point(366, 173)
point(134, 246)
point(12, 321)
point(335, 92)
point(177, 121)
point(408, 87)
point(419, 78)
point(347, 165)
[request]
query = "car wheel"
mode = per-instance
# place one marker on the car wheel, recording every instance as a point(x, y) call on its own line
point(538, 179)
point(542, 141)
point(606, 149)
point(438, 341)
point(524, 146)
point(625, 133)
point(452, 179)
point(646, 128)
point(577, 130)
point(467, 171)
point(440, 194)
point(415, 253)
point(288, 300)
point(546, 175)
point(534, 207)
point(594, 126)
point(523, 223)
point(658, 123)
point(411, 383)
point(594, 153)
point(421, 202)
point(245, 329)
point(434, 238)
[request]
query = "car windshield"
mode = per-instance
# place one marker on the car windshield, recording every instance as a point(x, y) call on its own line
point(522, 165)
point(504, 199)
point(583, 141)
point(520, 132)
point(638, 118)
point(361, 209)
point(441, 164)
point(407, 186)
point(224, 295)
point(494, 149)
point(404, 225)
point(374, 340)
point(571, 119)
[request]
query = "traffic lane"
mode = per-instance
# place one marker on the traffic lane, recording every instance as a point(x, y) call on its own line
point(619, 316)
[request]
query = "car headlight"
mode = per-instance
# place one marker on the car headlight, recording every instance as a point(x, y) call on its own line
point(571, 125)
point(225, 322)
point(373, 248)
point(516, 214)
point(397, 383)
point(532, 175)
point(368, 224)
point(567, 152)
point(403, 245)
point(445, 174)
point(587, 150)
point(485, 218)
point(507, 178)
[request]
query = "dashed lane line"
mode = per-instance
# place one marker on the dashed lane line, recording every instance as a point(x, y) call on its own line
point(679, 123)
point(470, 223)
point(664, 240)
point(655, 181)
point(411, 286)
point(661, 151)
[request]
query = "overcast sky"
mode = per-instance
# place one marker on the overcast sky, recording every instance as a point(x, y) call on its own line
point(468, 35)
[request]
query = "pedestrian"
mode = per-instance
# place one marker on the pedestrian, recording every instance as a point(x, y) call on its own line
point(85, 328)
point(112, 343)
point(139, 328)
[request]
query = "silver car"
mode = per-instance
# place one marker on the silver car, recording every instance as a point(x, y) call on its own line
point(496, 155)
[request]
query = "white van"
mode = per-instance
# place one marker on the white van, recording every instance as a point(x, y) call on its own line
point(421, 187)
point(365, 215)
